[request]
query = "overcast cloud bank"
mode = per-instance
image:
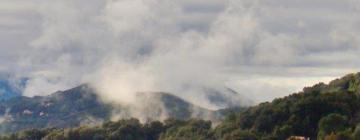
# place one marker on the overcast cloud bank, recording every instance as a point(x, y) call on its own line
point(262, 49)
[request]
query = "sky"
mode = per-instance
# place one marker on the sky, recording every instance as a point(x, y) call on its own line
point(262, 49)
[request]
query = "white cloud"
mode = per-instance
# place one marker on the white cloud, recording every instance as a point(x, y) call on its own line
point(125, 46)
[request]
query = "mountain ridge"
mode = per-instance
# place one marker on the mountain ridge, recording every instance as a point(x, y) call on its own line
point(72, 107)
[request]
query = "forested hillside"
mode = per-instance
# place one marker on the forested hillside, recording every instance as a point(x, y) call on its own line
point(324, 111)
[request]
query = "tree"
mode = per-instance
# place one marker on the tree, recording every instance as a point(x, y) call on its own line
point(356, 133)
point(331, 124)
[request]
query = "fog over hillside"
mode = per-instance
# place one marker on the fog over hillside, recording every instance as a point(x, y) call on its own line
point(182, 47)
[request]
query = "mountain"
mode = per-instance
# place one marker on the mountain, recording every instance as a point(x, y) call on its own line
point(81, 105)
point(226, 98)
point(323, 111)
point(61, 109)
point(7, 88)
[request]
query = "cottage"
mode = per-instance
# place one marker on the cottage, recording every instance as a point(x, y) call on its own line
point(298, 138)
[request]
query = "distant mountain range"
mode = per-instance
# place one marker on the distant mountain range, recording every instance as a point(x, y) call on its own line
point(7, 88)
point(81, 105)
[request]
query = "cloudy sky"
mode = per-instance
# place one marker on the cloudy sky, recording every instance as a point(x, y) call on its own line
point(262, 49)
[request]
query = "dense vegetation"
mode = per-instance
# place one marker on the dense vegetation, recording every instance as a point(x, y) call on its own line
point(325, 112)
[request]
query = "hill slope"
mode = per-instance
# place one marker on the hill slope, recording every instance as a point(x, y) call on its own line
point(301, 113)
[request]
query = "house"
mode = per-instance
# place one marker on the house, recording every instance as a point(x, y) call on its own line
point(298, 138)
